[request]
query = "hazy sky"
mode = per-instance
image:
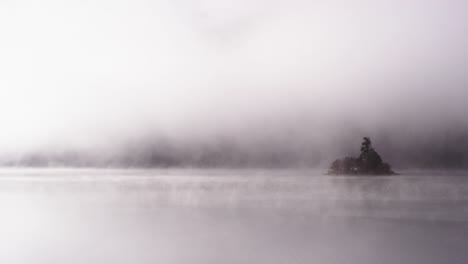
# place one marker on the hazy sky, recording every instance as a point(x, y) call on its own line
point(89, 73)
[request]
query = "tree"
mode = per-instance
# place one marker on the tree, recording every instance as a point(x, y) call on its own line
point(366, 147)
point(368, 162)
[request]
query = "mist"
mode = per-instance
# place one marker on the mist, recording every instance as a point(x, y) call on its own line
point(230, 216)
point(222, 83)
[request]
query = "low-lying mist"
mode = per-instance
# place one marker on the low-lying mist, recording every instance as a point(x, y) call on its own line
point(230, 216)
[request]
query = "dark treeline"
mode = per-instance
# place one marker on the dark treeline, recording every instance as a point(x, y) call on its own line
point(448, 151)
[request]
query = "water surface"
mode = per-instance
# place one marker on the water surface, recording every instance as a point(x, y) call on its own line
point(231, 216)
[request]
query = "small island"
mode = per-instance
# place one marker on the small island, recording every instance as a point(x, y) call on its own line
point(369, 162)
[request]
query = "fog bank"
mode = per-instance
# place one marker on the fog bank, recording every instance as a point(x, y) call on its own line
point(222, 83)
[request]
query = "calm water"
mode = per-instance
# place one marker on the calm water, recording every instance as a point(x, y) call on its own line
point(231, 216)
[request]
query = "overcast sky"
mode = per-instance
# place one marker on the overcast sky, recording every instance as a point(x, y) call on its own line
point(83, 74)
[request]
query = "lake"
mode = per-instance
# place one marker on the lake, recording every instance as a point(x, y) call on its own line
point(231, 216)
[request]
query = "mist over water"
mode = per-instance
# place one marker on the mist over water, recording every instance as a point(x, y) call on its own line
point(232, 84)
point(219, 118)
point(228, 216)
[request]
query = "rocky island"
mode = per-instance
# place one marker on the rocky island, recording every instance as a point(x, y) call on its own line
point(369, 162)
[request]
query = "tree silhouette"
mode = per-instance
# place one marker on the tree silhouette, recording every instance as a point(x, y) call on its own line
point(368, 162)
point(366, 146)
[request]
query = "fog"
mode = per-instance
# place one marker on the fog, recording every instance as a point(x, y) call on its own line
point(232, 83)
point(230, 216)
